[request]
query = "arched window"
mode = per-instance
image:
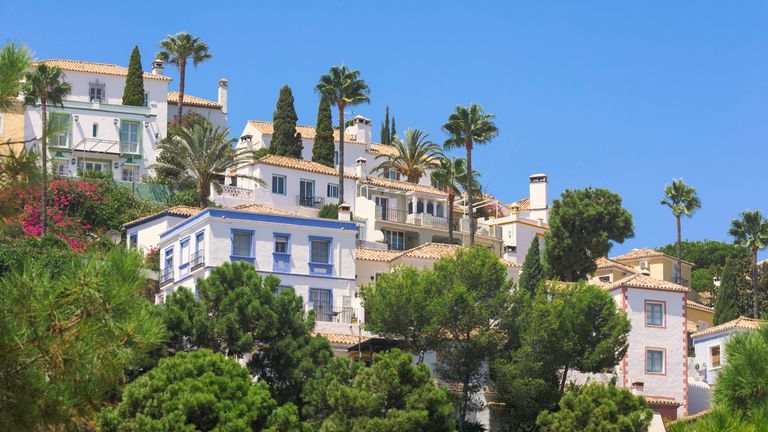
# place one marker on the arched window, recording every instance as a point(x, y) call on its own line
point(419, 207)
point(440, 210)
point(430, 207)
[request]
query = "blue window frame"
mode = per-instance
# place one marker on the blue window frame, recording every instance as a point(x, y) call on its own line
point(281, 262)
point(167, 265)
point(133, 241)
point(184, 257)
point(320, 262)
point(242, 245)
point(198, 256)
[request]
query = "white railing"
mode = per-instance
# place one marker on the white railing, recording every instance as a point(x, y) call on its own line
point(236, 192)
point(106, 146)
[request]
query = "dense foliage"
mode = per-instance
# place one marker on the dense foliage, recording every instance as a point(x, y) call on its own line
point(329, 211)
point(14, 61)
point(386, 135)
point(727, 305)
point(133, 93)
point(709, 254)
point(285, 140)
point(532, 274)
point(412, 158)
point(323, 149)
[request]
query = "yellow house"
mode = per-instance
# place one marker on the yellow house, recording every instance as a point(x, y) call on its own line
point(12, 130)
point(700, 317)
point(656, 265)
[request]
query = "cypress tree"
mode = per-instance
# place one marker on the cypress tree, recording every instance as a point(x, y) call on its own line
point(727, 303)
point(393, 131)
point(285, 140)
point(133, 93)
point(322, 150)
point(385, 136)
point(533, 270)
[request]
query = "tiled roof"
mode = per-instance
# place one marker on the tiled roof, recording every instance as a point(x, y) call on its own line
point(636, 254)
point(301, 164)
point(173, 98)
point(384, 255)
point(377, 149)
point(98, 68)
point(264, 209)
point(690, 418)
point(665, 402)
point(645, 282)
point(431, 251)
point(695, 305)
point(404, 186)
point(604, 263)
point(522, 204)
point(181, 211)
point(307, 132)
point(343, 339)
point(741, 322)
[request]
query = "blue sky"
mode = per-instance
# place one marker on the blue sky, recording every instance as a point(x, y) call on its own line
point(623, 95)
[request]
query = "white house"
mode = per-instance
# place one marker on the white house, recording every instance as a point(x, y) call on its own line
point(99, 133)
point(144, 233)
point(213, 111)
point(709, 346)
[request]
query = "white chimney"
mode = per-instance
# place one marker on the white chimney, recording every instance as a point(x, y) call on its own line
point(345, 212)
point(538, 191)
point(360, 170)
point(157, 67)
point(361, 129)
point(223, 85)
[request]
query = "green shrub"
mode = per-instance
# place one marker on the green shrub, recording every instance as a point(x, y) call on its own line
point(329, 211)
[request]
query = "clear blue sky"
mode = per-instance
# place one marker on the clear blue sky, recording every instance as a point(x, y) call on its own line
point(623, 95)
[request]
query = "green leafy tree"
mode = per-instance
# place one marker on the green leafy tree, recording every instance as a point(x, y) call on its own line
point(14, 61)
point(413, 158)
point(238, 313)
point(450, 175)
point(582, 225)
point(324, 147)
point(742, 384)
point(329, 211)
point(391, 395)
point(133, 93)
point(405, 304)
point(285, 140)
point(392, 131)
point(708, 254)
point(683, 201)
point(68, 334)
point(386, 137)
point(727, 301)
point(204, 152)
point(197, 391)
point(179, 49)
point(468, 126)
point(751, 232)
point(476, 293)
point(45, 85)
point(598, 407)
point(533, 270)
point(343, 87)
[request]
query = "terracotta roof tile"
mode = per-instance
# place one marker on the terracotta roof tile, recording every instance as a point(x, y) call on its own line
point(665, 402)
point(384, 255)
point(98, 68)
point(645, 282)
point(741, 322)
point(301, 164)
point(264, 209)
point(695, 305)
point(343, 339)
point(173, 98)
point(431, 251)
point(604, 263)
point(182, 211)
point(307, 132)
point(636, 254)
point(404, 186)
point(377, 149)
point(521, 204)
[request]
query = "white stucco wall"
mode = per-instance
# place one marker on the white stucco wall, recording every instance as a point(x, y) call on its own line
point(148, 233)
point(213, 115)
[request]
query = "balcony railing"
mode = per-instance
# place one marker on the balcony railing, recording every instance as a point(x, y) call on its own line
point(98, 145)
point(166, 276)
point(327, 313)
point(236, 192)
point(431, 221)
point(197, 260)
point(310, 201)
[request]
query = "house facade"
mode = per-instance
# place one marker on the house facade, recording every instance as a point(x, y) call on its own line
point(96, 131)
point(213, 111)
point(12, 130)
point(658, 265)
point(709, 346)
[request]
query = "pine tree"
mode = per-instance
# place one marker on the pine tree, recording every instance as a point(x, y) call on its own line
point(393, 131)
point(285, 140)
point(322, 150)
point(533, 270)
point(727, 303)
point(133, 93)
point(385, 136)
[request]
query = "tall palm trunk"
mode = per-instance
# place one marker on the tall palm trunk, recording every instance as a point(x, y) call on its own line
point(44, 155)
point(204, 190)
point(679, 263)
point(451, 197)
point(182, 75)
point(470, 199)
point(341, 153)
point(755, 300)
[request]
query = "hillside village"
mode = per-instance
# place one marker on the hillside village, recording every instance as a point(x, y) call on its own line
point(358, 238)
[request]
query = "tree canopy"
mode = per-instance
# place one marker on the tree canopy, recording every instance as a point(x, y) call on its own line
point(285, 140)
point(133, 92)
point(727, 306)
point(583, 224)
point(323, 149)
point(533, 269)
point(708, 254)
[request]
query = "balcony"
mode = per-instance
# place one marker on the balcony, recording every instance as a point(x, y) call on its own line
point(236, 192)
point(197, 259)
point(327, 313)
point(417, 219)
point(166, 277)
point(96, 145)
point(310, 201)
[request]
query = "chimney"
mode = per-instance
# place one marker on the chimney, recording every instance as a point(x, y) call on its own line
point(157, 67)
point(345, 212)
point(360, 170)
point(223, 85)
point(538, 192)
point(361, 129)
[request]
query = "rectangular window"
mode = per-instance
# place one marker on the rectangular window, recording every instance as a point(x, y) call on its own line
point(392, 175)
point(278, 184)
point(184, 253)
point(320, 251)
point(146, 100)
point(281, 244)
point(59, 167)
point(714, 356)
point(100, 166)
point(306, 193)
point(336, 158)
point(654, 314)
point(199, 241)
point(133, 241)
point(242, 242)
point(322, 303)
point(168, 267)
point(97, 92)
point(654, 361)
point(130, 174)
point(395, 239)
point(60, 135)
point(95, 130)
point(382, 205)
point(333, 190)
point(129, 136)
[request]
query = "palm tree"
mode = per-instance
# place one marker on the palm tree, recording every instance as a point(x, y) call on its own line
point(683, 201)
point(14, 61)
point(45, 84)
point(204, 152)
point(449, 176)
point(343, 88)
point(751, 231)
point(177, 50)
point(414, 156)
point(468, 126)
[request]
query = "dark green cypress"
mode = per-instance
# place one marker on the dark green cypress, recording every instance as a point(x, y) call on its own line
point(385, 136)
point(533, 270)
point(727, 303)
point(133, 93)
point(285, 140)
point(393, 131)
point(322, 150)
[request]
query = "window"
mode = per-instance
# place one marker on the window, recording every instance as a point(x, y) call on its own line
point(200, 241)
point(133, 241)
point(336, 158)
point(654, 361)
point(430, 207)
point(129, 136)
point(97, 92)
point(95, 130)
point(320, 251)
point(395, 239)
point(198, 256)
point(61, 137)
point(333, 190)
point(322, 303)
point(146, 100)
point(278, 184)
point(100, 166)
point(184, 246)
point(714, 356)
point(281, 244)
point(383, 205)
point(242, 242)
point(130, 174)
point(392, 175)
point(306, 193)
point(606, 278)
point(233, 181)
point(168, 268)
point(59, 167)
point(440, 210)
point(654, 314)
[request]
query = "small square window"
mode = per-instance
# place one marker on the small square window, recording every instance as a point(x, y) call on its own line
point(654, 361)
point(278, 184)
point(333, 190)
point(241, 243)
point(281, 244)
point(654, 314)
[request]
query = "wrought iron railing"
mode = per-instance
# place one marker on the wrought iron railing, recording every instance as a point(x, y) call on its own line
point(198, 259)
point(310, 201)
point(327, 313)
point(166, 276)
